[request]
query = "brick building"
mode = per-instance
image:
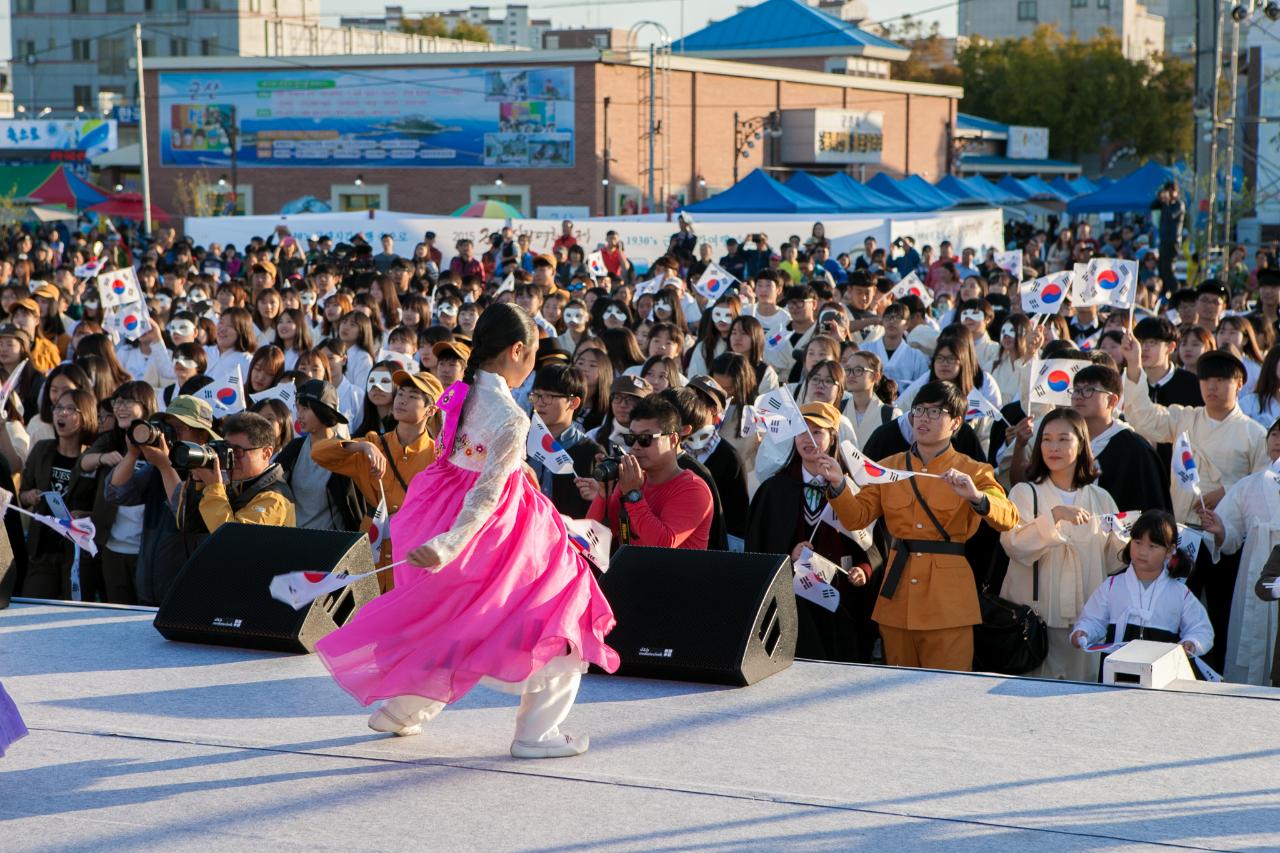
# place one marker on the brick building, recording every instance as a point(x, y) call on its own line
point(602, 128)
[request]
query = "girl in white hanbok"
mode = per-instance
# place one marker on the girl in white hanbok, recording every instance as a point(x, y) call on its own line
point(1149, 600)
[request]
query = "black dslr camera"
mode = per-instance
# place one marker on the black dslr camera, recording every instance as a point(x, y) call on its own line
point(188, 456)
point(149, 433)
point(607, 469)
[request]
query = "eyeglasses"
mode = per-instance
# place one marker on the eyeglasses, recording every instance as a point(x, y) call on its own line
point(241, 451)
point(537, 397)
point(927, 413)
point(1084, 392)
point(122, 404)
point(66, 410)
point(822, 383)
point(859, 371)
point(631, 439)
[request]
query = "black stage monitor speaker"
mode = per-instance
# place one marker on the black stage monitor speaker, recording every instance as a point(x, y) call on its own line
point(709, 616)
point(221, 595)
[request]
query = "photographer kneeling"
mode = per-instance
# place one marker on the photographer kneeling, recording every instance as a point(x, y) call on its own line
point(257, 493)
point(145, 476)
point(654, 502)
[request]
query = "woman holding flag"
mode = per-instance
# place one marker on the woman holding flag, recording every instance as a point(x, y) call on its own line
point(790, 514)
point(504, 598)
point(1062, 547)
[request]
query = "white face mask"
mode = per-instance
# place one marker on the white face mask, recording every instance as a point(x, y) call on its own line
point(468, 298)
point(574, 316)
point(975, 316)
point(700, 439)
point(721, 315)
point(163, 301)
point(615, 314)
point(308, 298)
point(198, 295)
point(448, 311)
point(185, 363)
point(381, 380)
point(1007, 331)
point(182, 328)
point(662, 308)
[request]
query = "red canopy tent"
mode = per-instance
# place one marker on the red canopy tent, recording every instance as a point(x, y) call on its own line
point(64, 187)
point(126, 206)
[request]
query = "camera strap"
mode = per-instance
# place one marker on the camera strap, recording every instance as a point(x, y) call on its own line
point(386, 450)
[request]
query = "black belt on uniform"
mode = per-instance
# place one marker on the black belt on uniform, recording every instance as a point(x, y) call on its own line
point(905, 547)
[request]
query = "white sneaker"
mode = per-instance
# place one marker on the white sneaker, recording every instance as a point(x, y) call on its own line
point(381, 720)
point(563, 745)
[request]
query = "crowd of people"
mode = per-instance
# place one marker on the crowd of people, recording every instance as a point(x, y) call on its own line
point(651, 388)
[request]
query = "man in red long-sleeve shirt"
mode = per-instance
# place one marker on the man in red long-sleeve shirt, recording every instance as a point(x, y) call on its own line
point(666, 506)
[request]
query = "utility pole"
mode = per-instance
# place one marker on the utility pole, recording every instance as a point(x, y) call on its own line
point(653, 197)
point(1206, 249)
point(142, 133)
point(604, 210)
point(1231, 137)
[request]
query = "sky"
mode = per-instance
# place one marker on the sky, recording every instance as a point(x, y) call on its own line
point(624, 13)
point(580, 13)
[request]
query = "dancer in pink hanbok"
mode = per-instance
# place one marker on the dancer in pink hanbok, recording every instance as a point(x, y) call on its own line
point(11, 726)
point(494, 592)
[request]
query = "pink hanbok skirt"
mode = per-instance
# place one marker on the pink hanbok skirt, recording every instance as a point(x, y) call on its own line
point(11, 725)
point(516, 597)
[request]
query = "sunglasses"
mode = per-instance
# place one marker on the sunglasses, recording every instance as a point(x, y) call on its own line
point(631, 439)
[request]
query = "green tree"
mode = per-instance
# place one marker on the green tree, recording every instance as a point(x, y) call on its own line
point(468, 31)
point(427, 25)
point(931, 60)
point(1089, 95)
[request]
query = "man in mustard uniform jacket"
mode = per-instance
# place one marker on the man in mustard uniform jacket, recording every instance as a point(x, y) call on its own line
point(928, 603)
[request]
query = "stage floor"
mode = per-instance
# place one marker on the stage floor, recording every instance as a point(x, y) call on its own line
point(142, 744)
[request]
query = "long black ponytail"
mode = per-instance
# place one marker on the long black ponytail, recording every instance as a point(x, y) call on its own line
point(500, 326)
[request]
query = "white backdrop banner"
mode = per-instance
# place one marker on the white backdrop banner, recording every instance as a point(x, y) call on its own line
point(645, 241)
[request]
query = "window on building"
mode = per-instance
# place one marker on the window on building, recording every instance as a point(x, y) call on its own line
point(177, 47)
point(1027, 10)
point(111, 56)
point(80, 50)
point(209, 47)
point(350, 197)
point(148, 47)
point(1104, 4)
point(115, 6)
point(1079, 4)
point(551, 42)
point(24, 6)
point(210, 5)
point(79, 7)
point(82, 96)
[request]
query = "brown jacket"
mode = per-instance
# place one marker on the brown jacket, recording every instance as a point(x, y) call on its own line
point(935, 590)
point(343, 456)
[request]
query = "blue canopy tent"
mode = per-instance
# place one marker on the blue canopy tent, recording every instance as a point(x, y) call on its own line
point(759, 193)
point(918, 186)
point(1103, 182)
point(908, 199)
point(1065, 189)
point(1132, 193)
point(997, 193)
point(866, 199)
point(1042, 189)
point(1084, 186)
point(829, 194)
point(970, 191)
point(1013, 186)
